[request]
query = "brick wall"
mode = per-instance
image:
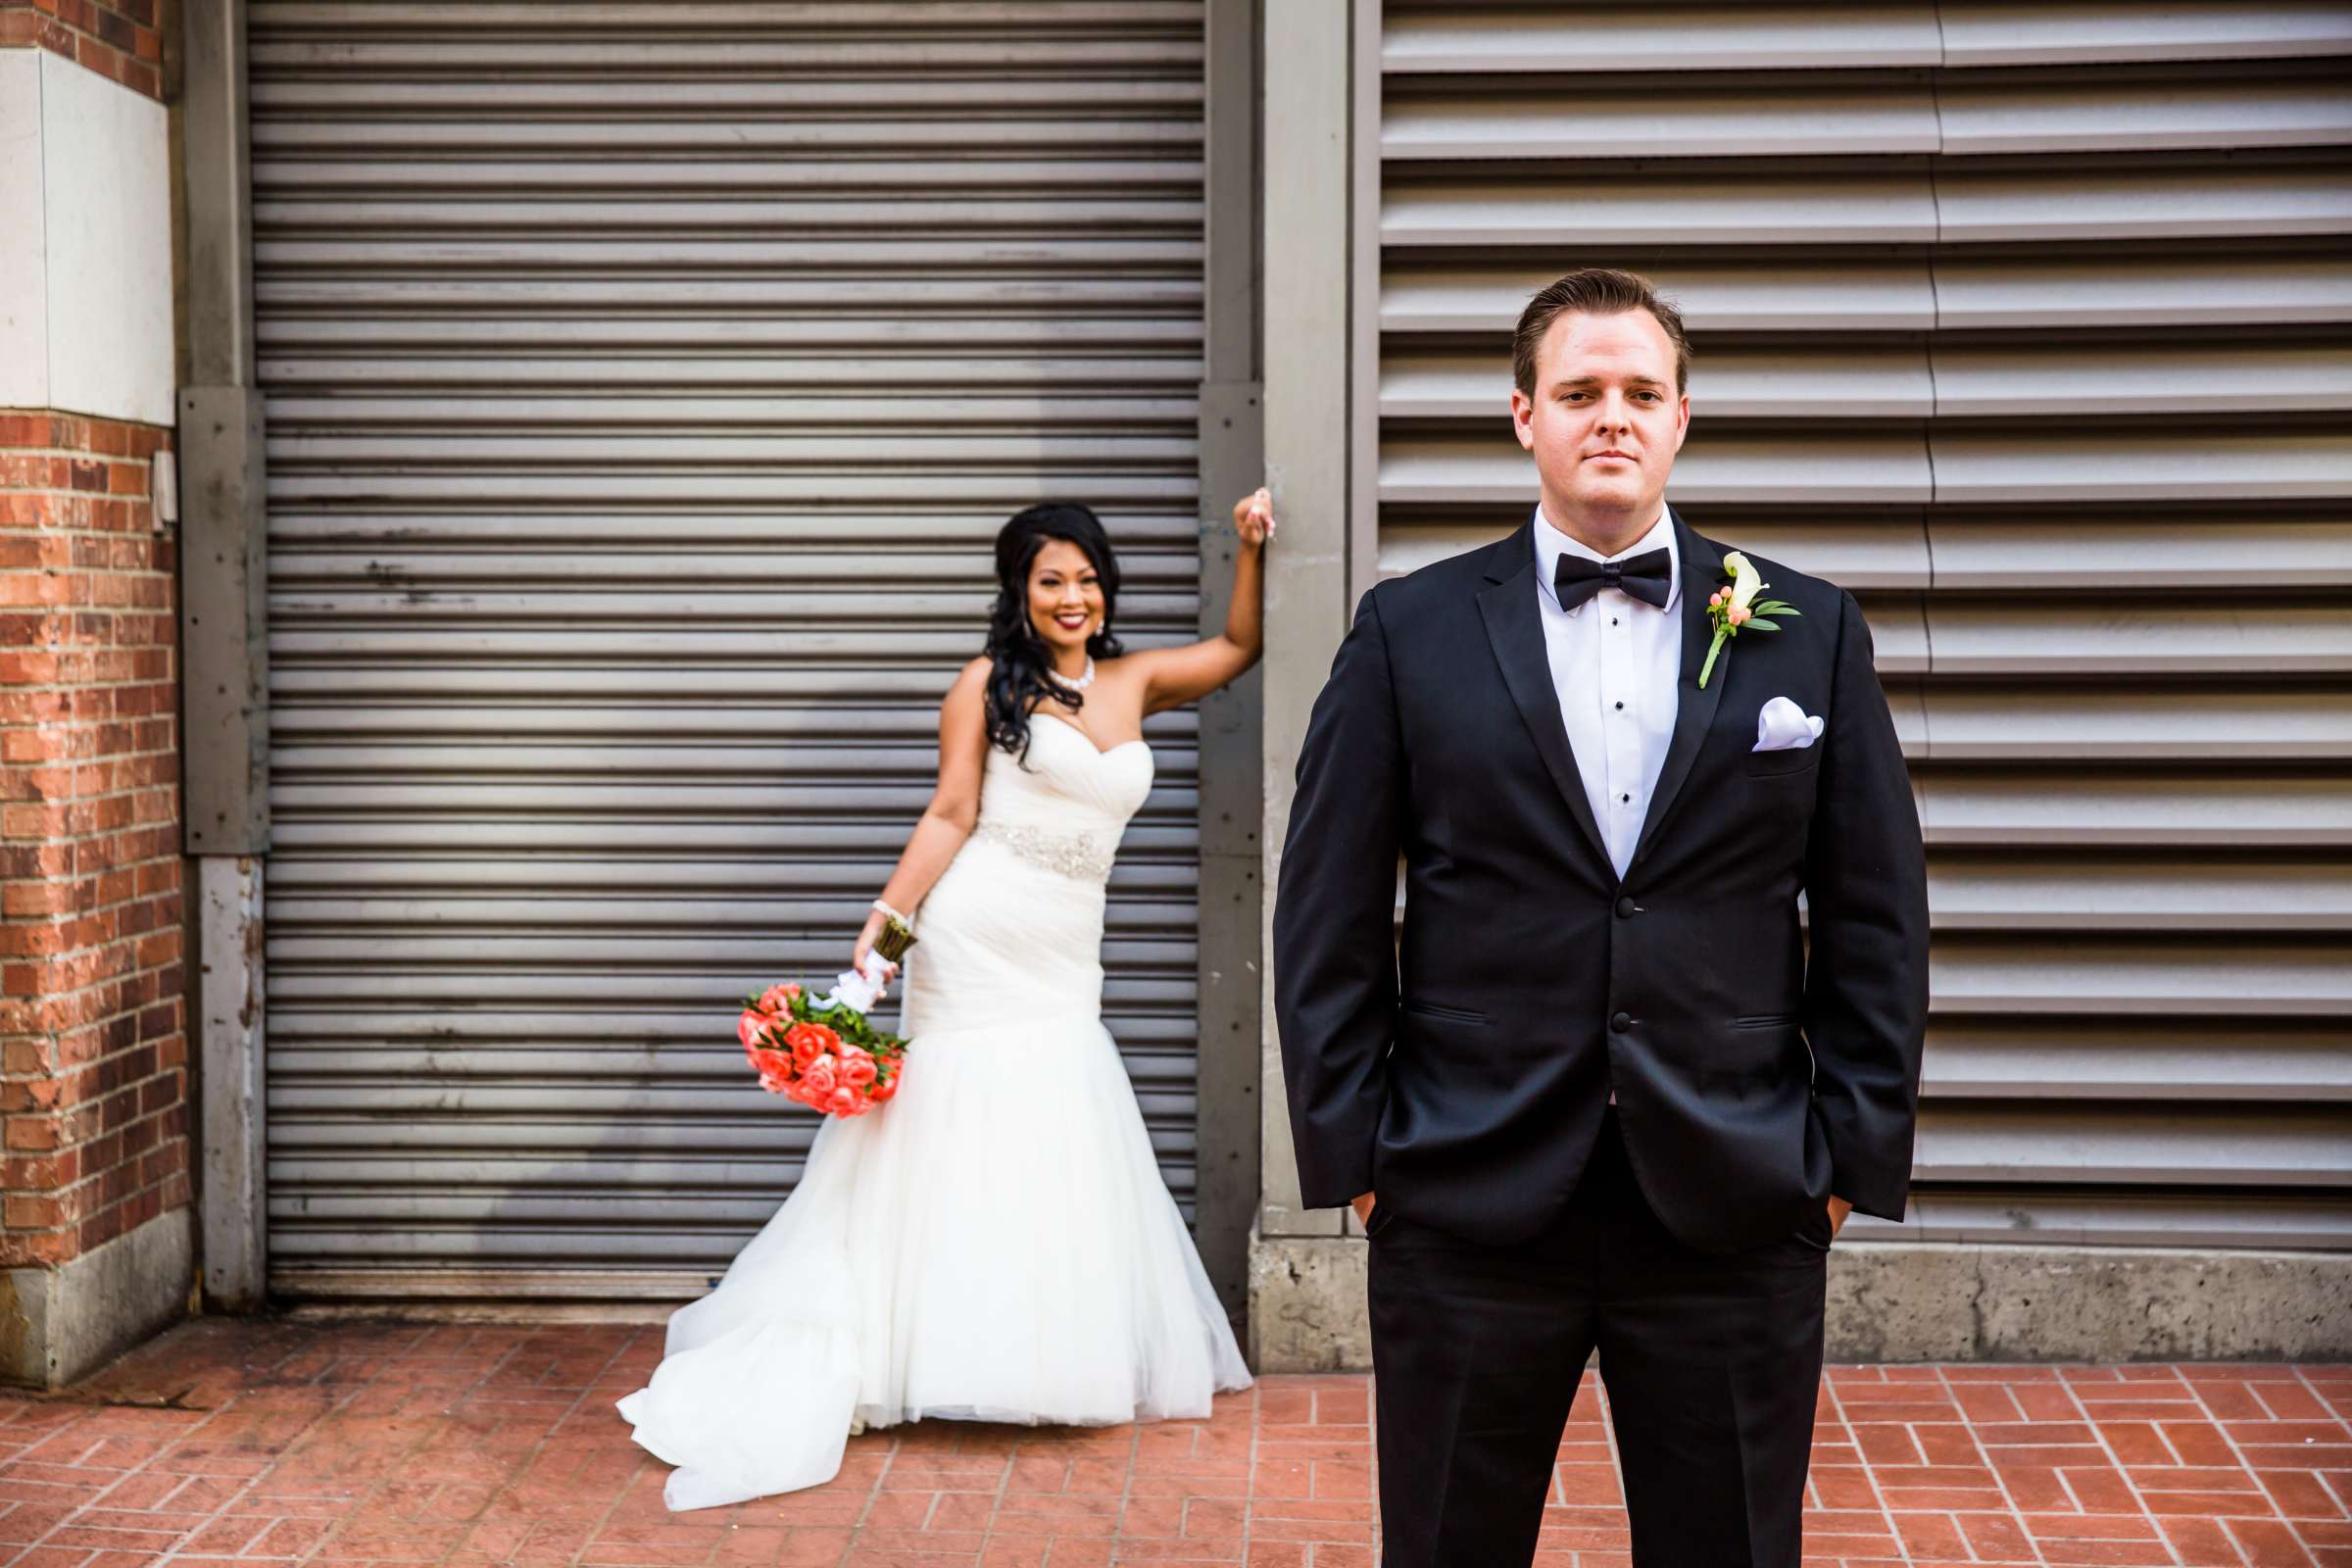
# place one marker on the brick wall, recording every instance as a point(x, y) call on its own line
point(93, 1034)
point(121, 39)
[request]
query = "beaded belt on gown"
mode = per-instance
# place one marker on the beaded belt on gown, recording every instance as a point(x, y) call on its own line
point(1084, 855)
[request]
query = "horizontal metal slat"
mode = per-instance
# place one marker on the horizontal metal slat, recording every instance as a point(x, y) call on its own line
point(875, 20)
point(954, 536)
point(1856, 206)
point(2047, 808)
point(2079, 463)
point(2066, 894)
point(420, 455)
point(1988, 33)
point(345, 149)
point(1583, 211)
point(2138, 722)
point(2094, 977)
point(1735, 465)
point(546, 223)
point(2052, 200)
point(557, 50)
point(2197, 110)
point(2268, 284)
point(2224, 1147)
point(2264, 549)
point(2069, 639)
point(1115, 372)
point(1649, 116)
point(550, 276)
point(1852, 295)
point(300, 112)
point(771, 320)
point(2233, 378)
point(1015, 481)
point(2148, 1061)
point(1579, 38)
point(1751, 117)
point(1506, 41)
point(1859, 205)
point(542, 270)
point(465, 422)
point(2029, 1216)
point(386, 190)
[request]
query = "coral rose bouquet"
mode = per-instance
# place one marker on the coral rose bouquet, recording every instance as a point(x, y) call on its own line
point(820, 1049)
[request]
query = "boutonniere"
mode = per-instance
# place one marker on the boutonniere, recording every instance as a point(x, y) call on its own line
point(1734, 610)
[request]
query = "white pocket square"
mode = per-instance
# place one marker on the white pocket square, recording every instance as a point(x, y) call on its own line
point(1782, 726)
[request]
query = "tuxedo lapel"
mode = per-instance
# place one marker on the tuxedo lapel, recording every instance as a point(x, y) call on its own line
point(1515, 626)
point(1694, 710)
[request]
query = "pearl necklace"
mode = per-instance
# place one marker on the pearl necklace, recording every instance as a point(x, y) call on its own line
point(1081, 683)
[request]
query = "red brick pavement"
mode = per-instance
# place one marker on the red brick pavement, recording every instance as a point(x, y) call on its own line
point(262, 1445)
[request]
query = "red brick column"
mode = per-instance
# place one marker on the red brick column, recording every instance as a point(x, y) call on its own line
point(120, 39)
point(93, 1034)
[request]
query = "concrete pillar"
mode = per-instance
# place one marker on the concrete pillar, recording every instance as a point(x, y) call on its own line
point(1307, 1265)
point(224, 576)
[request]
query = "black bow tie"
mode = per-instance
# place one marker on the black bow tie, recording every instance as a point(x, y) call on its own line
point(1649, 577)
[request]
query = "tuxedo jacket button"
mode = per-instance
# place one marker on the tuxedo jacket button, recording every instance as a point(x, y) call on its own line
point(1625, 907)
point(1621, 1022)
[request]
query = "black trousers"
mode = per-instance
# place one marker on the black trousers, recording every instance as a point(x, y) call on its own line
point(1712, 1363)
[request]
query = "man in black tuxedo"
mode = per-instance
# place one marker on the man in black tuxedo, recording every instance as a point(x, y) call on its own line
point(1602, 1093)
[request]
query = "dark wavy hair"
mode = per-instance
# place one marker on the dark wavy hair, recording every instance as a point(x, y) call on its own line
point(1017, 679)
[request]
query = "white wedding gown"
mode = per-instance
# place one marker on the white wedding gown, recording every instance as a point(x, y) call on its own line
point(996, 1242)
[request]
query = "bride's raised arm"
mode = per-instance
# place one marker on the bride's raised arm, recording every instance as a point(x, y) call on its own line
point(1175, 676)
point(954, 806)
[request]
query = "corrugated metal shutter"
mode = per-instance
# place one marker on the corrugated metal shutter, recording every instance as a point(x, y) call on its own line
point(645, 385)
point(2030, 324)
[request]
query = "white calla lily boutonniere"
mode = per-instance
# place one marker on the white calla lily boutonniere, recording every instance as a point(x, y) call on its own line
point(1734, 608)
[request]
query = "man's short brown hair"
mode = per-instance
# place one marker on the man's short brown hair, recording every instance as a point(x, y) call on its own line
point(1596, 291)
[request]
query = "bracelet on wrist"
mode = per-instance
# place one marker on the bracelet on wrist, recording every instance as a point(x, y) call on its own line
point(889, 914)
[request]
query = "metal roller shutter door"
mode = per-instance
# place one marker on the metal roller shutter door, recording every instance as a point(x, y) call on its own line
point(2029, 324)
point(645, 384)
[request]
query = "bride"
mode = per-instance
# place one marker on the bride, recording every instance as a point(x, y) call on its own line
point(995, 1244)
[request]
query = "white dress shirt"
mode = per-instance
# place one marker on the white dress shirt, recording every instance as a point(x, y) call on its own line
point(1615, 662)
